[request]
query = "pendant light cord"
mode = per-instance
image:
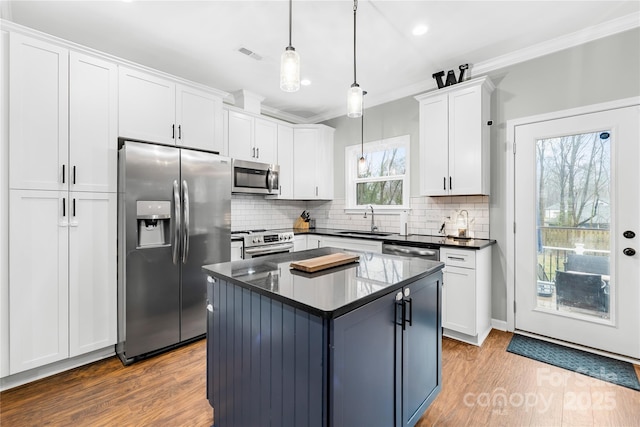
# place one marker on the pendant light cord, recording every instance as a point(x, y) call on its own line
point(290, 6)
point(355, 8)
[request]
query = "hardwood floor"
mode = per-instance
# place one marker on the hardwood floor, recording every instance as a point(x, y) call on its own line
point(483, 386)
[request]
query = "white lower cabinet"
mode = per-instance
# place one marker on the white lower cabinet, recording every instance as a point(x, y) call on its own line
point(299, 243)
point(314, 241)
point(62, 280)
point(364, 245)
point(236, 250)
point(466, 294)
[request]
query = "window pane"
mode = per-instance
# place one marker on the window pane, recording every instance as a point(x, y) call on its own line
point(389, 162)
point(379, 193)
point(573, 244)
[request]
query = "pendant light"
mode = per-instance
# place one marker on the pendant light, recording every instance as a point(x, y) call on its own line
point(362, 163)
point(290, 65)
point(354, 94)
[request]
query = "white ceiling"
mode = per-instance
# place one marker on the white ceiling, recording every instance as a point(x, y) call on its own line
point(198, 40)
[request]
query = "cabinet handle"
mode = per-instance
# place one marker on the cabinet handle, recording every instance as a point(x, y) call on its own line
point(450, 186)
point(444, 183)
point(410, 302)
point(74, 207)
point(316, 191)
point(173, 131)
point(179, 131)
point(64, 207)
point(74, 174)
point(63, 173)
point(456, 258)
point(281, 190)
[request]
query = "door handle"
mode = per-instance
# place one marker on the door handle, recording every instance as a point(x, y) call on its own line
point(179, 131)
point(629, 251)
point(450, 185)
point(63, 174)
point(444, 183)
point(185, 222)
point(177, 224)
point(74, 207)
point(64, 207)
point(409, 301)
point(173, 131)
point(74, 174)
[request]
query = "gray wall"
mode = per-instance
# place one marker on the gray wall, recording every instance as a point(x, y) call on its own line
point(603, 70)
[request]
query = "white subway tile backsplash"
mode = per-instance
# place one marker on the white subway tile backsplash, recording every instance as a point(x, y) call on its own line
point(426, 216)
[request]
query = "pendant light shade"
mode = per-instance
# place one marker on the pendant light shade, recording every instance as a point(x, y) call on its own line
point(290, 70)
point(354, 101)
point(290, 65)
point(354, 94)
point(362, 163)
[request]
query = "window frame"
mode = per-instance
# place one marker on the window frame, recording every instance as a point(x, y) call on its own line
point(353, 153)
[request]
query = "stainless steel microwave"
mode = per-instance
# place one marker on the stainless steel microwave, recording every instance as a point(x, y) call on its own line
point(254, 177)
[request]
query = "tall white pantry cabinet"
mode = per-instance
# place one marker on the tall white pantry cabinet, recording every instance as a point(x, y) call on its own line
point(62, 203)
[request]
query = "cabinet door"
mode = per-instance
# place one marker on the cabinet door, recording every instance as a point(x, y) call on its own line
point(421, 348)
point(285, 161)
point(324, 169)
point(434, 154)
point(38, 291)
point(146, 107)
point(304, 163)
point(199, 119)
point(92, 272)
point(363, 348)
point(38, 114)
point(241, 136)
point(236, 250)
point(299, 243)
point(459, 300)
point(93, 124)
point(314, 242)
point(465, 141)
point(265, 133)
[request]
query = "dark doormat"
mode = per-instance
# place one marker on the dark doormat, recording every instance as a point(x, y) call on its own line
point(593, 365)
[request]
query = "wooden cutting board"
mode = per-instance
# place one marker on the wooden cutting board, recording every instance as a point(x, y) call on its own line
point(323, 262)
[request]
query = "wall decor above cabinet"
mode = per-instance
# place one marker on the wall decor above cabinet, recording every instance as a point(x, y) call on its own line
point(454, 139)
point(160, 110)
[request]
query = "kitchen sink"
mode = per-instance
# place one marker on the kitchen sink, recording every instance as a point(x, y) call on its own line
point(364, 233)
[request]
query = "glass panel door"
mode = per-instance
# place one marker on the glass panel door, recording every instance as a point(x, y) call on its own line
point(577, 219)
point(573, 211)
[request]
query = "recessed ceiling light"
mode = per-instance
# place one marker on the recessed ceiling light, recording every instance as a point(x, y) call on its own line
point(419, 30)
point(305, 82)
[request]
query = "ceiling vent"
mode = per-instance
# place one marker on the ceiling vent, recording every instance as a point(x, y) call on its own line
point(250, 53)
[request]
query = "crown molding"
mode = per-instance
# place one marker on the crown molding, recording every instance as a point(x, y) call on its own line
point(609, 28)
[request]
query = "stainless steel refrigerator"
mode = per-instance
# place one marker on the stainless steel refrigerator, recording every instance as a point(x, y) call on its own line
point(174, 216)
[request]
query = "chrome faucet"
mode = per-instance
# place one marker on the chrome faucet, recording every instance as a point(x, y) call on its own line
point(373, 226)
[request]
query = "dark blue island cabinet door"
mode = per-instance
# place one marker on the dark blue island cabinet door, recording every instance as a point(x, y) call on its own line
point(421, 348)
point(363, 358)
point(386, 358)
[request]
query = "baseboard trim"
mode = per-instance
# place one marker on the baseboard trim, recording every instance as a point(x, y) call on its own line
point(500, 325)
point(34, 374)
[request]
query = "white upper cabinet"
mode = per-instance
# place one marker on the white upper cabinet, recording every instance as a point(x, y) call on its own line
point(313, 162)
point(199, 118)
point(147, 107)
point(454, 139)
point(63, 119)
point(155, 109)
point(93, 124)
point(285, 161)
point(38, 114)
point(252, 138)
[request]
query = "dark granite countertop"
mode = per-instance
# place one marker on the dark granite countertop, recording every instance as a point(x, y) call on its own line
point(419, 240)
point(328, 293)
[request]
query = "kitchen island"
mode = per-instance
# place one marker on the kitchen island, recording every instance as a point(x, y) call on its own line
point(358, 344)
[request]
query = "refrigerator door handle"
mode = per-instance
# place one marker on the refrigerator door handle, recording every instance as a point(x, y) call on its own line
point(185, 231)
point(177, 223)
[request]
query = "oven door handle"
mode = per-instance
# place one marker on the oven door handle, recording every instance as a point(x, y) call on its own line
point(268, 249)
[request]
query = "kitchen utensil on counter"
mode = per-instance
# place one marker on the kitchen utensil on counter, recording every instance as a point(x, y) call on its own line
point(302, 223)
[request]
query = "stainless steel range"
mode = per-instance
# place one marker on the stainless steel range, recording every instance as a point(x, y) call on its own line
point(259, 243)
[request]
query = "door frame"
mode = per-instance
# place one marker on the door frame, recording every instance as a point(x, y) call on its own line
point(510, 184)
